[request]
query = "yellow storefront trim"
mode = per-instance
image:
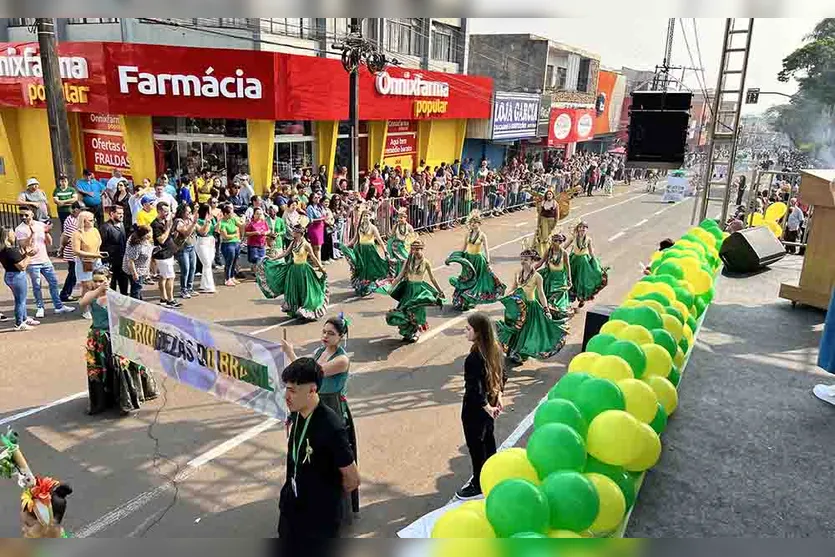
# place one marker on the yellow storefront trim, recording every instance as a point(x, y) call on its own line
point(138, 134)
point(260, 142)
point(326, 132)
point(441, 140)
point(377, 136)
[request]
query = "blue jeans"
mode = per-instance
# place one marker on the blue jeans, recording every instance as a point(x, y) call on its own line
point(35, 270)
point(230, 251)
point(69, 282)
point(187, 259)
point(17, 282)
point(135, 288)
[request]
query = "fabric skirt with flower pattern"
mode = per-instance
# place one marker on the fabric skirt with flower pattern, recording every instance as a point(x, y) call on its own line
point(305, 293)
point(113, 380)
point(370, 272)
point(476, 284)
point(397, 252)
point(555, 284)
point(412, 300)
point(526, 331)
point(588, 276)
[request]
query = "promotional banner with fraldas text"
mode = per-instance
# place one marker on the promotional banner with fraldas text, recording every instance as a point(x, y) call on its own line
point(232, 366)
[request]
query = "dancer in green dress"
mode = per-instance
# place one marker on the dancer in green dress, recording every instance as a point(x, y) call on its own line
point(476, 284)
point(528, 330)
point(370, 271)
point(588, 276)
point(305, 294)
point(402, 235)
point(555, 269)
point(414, 294)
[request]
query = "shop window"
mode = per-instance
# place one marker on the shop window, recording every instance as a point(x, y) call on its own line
point(549, 76)
point(444, 43)
point(301, 27)
point(562, 78)
point(221, 127)
point(293, 127)
point(583, 75)
point(345, 127)
point(290, 155)
point(337, 27)
point(403, 35)
point(227, 22)
point(93, 20)
point(22, 21)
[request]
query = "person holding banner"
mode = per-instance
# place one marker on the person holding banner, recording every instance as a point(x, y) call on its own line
point(42, 509)
point(369, 269)
point(401, 236)
point(477, 283)
point(414, 294)
point(588, 276)
point(555, 269)
point(111, 379)
point(305, 294)
point(336, 364)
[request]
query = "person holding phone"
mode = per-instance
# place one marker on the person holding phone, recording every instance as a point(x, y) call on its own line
point(86, 245)
point(15, 259)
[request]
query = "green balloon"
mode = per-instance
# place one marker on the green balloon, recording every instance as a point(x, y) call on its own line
point(622, 313)
point(683, 295)
point(664, 339)
point(659, 422)
point(524, 535)
point(652, 278)
point(676, 313)
point(675, 376)
point(691, 323)
point(671, 268)
point(555, 447)
point(567, 386)
point(667, 279)
point(599, 342)
point(631, 352)
point(572, 500)
point(709, 224)
point(560, 411)
point(646, 317)
point(515, 506)
point(656, 296)
point(617, 474)
point(684, 345)
point(598, 395)
point(700, 306)
point(707, 296)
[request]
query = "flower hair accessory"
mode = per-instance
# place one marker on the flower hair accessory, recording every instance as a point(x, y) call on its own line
point(37, 499)
point(345, 324)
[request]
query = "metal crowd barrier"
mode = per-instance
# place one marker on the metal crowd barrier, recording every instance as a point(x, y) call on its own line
point(9, 215)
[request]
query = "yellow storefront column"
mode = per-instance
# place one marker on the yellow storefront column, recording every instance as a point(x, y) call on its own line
point(377, 135)
point(260, 142)
point(11, 183)
point(423, 137)
point(326, 133)
point(76, 145)
point(441, 140)
point(35, 151)
point(138, 134)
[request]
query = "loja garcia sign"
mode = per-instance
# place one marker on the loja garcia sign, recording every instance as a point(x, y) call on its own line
point(515, 115)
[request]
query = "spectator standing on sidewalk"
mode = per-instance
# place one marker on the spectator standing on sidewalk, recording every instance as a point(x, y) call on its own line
point(185, 225)
point(86, 246)
point(34, 199)
point(35, 235)
point(65, 251)
point(137, 260)
point(91, 190)
point(164, 254)
point(204, 245)
point(14, 259)
point(64, 197)
point(113, 242)
point(793, 223)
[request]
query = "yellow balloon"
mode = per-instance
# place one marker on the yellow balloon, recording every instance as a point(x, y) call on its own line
point(665, 391)
point(563, 534)
point(701, 248)
point(775, 211)
point(687, 286)
point(641, 401)
point(651, 451)
point(688, 334)
point(630, 303)
point(612, 504)
point(673, 326)
point(689, 265)
point(655, 255)
point(701, 281)
point(505, 465)
point(775, 229)
point(659, 361)
point(678, 359)
point(756, 219)
point(462, 523)
point(479, 506)
point(682, 309)
point(583, 361)
point(703, 235)
point(640, 289)
point(635, 333)
point(459, 547)
point(663, 288)
point(613, 437)
point(613, 368)
point(657, 306)
point(613, 326)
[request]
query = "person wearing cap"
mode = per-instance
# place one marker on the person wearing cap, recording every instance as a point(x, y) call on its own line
point(34, 198)
point(414, 294)
point(147, 212)
point(64, 197)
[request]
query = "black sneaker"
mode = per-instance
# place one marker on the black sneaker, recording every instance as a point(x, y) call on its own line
point(174, 304)
point(468, 492)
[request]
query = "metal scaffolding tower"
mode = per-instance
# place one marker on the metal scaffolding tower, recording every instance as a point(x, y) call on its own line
point(724, 119)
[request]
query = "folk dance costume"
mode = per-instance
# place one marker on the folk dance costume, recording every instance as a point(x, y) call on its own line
point(305, 293)
point(555, 270)
point(402, 235)
point(476, 284)
point(414, 294)
point(548, 213)
point(370, 271)
point(588, 276)
point(528, 330)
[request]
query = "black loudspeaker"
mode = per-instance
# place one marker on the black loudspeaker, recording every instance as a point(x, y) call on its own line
point(658, 123)
point(751, 249)
point(596, 317)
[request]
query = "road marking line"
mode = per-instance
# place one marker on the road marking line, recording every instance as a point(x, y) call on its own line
point(521, 224)
point(39, 409)
point(616, 236)
point(658, 212)
point(643, 222)
point(294, 319)
point(443, 327)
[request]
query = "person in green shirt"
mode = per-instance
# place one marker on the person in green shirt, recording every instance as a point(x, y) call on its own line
point(230, 242)
point(278, 230)
point(64, 196)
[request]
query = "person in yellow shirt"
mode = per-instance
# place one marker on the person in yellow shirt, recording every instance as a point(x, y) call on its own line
point(203, 187)
point(148, 213)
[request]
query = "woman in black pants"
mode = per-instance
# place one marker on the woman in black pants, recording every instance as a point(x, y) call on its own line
point(484, 378)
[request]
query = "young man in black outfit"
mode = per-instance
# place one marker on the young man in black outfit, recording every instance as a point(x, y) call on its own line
point(114, 240)
point(321, 467)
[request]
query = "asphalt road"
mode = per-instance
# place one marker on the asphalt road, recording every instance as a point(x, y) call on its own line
point(188, 465)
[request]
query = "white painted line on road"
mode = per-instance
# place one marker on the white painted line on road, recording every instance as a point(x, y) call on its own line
point(443, 327)
point(522, 224)
point(658, 212)
point(294, 319)
point(616, 236)
point(39, 409)
point(643, 222)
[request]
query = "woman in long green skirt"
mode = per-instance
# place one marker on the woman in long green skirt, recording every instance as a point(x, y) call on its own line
point(555, 269)
point(588, 276)
point(402, 236)
point(528, 330)
point(370, 271)
point(476, 284)
point(414, 294)
point(305, 293)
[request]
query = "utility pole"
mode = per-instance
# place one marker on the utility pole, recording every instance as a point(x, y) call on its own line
point(56, 107)
point(354, 110)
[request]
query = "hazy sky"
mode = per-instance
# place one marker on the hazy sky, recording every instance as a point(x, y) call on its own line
point(639, 43)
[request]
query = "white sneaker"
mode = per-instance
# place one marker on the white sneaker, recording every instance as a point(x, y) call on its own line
point(23, 327)
point(65, 309)
point(31, 322)
point(825, 392)
point(39, 313)
point(87, 315)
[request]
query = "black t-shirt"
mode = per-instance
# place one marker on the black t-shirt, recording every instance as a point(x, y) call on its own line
point(165, 250)
point(475, 383)
point(9, 257)
point(316, 509)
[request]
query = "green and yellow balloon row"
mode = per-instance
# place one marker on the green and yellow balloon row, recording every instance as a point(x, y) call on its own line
point(598, 432)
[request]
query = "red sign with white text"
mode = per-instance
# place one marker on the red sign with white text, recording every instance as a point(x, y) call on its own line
point(396, 126)
point(103, 153)
point(101, 122)
point(570, 125)
point(403, 144)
